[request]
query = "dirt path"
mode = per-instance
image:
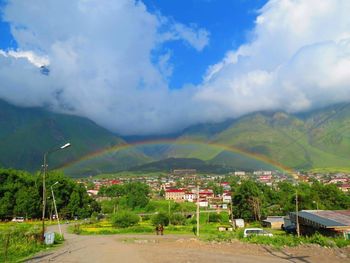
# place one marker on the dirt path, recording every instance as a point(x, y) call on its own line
point(179, 249)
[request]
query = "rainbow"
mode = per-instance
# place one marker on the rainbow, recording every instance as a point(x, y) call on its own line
point(125, 146)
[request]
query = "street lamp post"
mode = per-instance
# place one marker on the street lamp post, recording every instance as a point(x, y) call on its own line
point(54, 203)
point(44, 184)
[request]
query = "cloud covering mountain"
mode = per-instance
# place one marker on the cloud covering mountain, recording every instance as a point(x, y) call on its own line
point(105, 63)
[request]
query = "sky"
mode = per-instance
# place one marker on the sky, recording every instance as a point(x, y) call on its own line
point(158, 66)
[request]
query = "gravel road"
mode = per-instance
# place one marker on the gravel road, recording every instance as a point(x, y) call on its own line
point(178, 249)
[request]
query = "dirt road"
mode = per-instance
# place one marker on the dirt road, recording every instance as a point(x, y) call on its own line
point(179, 249)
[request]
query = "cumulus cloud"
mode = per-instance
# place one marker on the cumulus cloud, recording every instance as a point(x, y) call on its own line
point(297, 59)
point(101, 59)
point(102, 64)
point(197, 38)
point(29, 55)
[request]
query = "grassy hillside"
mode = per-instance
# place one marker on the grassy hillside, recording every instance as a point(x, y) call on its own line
point(27, 133)
point(316, 140)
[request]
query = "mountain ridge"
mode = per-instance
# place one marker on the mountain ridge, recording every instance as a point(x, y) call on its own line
point(311, 140)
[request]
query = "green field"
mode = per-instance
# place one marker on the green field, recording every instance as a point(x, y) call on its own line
point(19, 241)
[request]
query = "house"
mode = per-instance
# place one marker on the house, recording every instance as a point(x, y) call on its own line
point(344, 187)
point(226, 186)
point(273, 222)
point(206, 193)
point(175, 194)
point(203, 203)
point(326, 222)
point(226, 197)
point(190, 197)
point(343, 180)
point(92, 192)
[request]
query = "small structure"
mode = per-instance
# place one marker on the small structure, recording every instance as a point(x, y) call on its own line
point(175, 194)
point(273, 222)
point(238, 223)
point(225, 228)
point(326, 222)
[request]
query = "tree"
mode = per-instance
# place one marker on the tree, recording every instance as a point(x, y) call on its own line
point(160, 218)
point(137, 194)
point(124, 219)
point(162, 193)
point(178, 219)
point(248, 201)
point(27, 202)
point(214, 217)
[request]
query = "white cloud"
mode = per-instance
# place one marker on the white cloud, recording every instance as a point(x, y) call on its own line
point(298, 58)
point(31, 56)
point(101, 62)
point(197, 38)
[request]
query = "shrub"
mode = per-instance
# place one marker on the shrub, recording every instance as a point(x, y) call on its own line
point(160, 218)
point(321, 240)
point(124, 219)
point(178, 219)
point(214, 217)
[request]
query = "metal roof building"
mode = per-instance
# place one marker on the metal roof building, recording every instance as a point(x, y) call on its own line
point(323, 220)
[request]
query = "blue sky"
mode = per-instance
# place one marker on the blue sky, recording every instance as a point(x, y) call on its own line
point(6, 39)
point(159, 66)
point(228, 21)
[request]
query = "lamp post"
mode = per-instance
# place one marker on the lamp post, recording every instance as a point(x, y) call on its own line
point(44, 183)
point(54, 203)
point(315, 202)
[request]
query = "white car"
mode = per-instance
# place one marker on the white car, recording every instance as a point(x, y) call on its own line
point(18, 219)
point(256, 231)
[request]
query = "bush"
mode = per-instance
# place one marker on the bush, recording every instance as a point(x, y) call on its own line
point(214, 217)
point(178, 219)
point(321, 240)
point(160, 218)
point(124, 219)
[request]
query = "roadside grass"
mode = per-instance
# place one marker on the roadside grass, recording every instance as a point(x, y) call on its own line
point(19, 241)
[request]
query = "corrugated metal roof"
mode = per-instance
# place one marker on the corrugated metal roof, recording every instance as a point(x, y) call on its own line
point(273, 219)
point(327, 218)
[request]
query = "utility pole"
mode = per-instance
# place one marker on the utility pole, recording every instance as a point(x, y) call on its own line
point(44, 198)
point(44, 185)
point(169, 211)
point(54, 203)
point(197, 210)
point(297, 212)
point(232, 214)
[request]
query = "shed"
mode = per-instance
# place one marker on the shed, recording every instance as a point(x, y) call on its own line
point(328, 222)
point(274, 222)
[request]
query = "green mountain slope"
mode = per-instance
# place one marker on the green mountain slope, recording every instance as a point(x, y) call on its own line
point(26, 133)
point(318, 139)
point(315, 140)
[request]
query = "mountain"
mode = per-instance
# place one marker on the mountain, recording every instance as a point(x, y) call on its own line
point(27, 133)
point(318, 139)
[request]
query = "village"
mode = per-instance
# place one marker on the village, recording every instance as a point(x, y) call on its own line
point(214, 189)
point(213, 193)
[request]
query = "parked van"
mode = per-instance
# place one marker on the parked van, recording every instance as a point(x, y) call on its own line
point(18, 219)
point(256, 231)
